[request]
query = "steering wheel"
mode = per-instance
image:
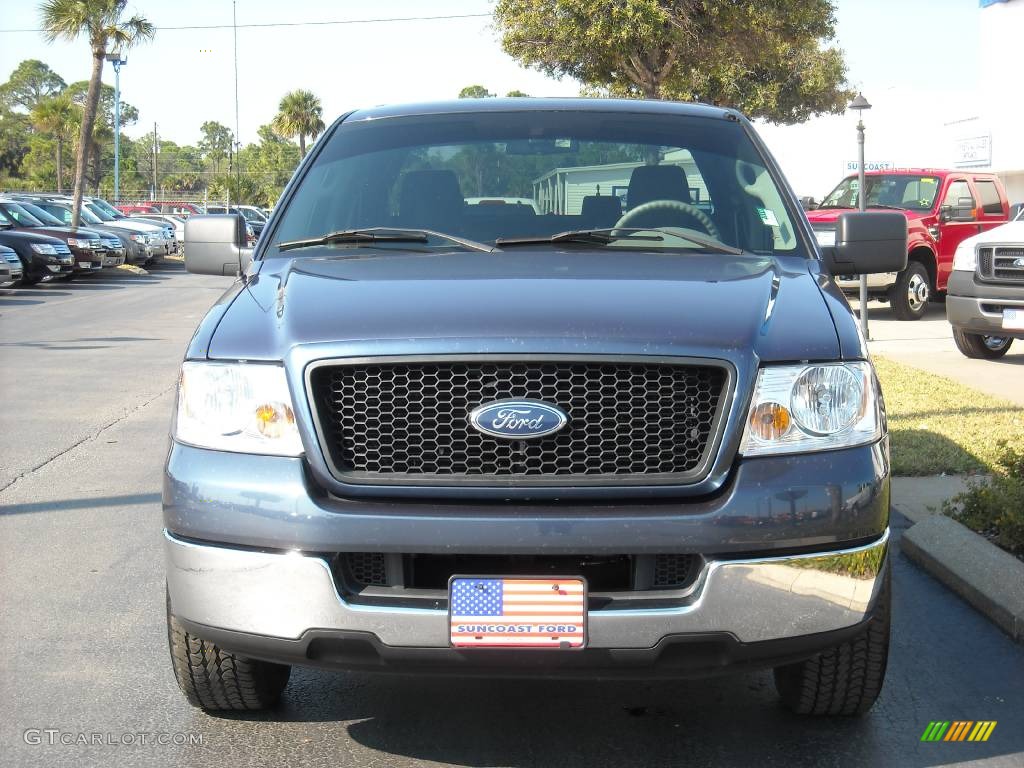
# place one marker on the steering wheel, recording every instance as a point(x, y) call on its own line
point(671, 205)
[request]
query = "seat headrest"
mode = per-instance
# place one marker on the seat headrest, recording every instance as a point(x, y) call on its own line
point(427, 194)
point(601, 209)
point(657, 182)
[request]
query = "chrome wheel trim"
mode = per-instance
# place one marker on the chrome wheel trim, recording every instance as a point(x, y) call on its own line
point(917, 292)
point(995, 343)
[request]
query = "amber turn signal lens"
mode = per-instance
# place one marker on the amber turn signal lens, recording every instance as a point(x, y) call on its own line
point(271, 419)
point(770, 421)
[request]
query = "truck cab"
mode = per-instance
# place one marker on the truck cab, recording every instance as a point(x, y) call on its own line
point(943, 208)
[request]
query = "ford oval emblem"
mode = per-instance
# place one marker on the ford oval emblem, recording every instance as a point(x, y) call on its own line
point(518, 419)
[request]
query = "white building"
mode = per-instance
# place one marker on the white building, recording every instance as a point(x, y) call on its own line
point(991, 134)
point(562, 190)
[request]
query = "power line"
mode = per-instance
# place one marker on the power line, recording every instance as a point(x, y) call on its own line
point(303, 23)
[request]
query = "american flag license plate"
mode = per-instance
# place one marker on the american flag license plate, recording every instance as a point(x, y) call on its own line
point(488, 612)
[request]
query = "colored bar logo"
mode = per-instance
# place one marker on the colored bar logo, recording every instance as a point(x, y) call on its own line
point(958, 730)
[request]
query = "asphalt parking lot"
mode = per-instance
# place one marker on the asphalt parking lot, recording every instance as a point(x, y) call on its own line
point(88, 373)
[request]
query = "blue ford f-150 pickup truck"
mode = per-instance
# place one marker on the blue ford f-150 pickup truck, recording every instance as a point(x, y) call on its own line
point(628, 428)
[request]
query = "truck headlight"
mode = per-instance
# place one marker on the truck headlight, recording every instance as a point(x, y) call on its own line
point(140, 239)
point(44, 248)
point(966, 257)
point(243, 407)
point(814, 407)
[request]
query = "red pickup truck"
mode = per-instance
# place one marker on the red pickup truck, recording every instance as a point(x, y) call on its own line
point(943, 208)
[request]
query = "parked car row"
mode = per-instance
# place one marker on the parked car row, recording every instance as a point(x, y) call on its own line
point(37, 228)
point(176, 212)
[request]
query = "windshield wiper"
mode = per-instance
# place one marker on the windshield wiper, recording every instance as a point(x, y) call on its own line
point(381, 235)
point(613, 234)
point(887, 207)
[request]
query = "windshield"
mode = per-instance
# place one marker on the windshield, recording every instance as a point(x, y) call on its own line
point(14, 213)
point(47, 218)
point(492, 176)
point(913, 193)
point(98, 212)
point(103, 205)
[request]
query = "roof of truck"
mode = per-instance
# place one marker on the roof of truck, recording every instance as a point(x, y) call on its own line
point(530, 104)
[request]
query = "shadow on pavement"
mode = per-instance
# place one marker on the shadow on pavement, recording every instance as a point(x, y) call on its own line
point(66, 504)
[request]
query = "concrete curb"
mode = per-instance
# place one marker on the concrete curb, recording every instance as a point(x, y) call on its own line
point(985, 576)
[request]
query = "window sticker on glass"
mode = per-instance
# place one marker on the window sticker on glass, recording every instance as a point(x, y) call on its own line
point(768, 217)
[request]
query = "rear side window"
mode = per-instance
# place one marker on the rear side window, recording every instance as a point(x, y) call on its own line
point(990, 203)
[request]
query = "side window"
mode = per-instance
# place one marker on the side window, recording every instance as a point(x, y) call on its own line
point(957, 190)
point(991, 205)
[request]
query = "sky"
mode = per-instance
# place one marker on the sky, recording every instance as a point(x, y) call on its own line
point(894, 51)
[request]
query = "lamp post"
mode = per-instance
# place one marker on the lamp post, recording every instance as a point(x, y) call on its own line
point(116, 59)
point(859, 104)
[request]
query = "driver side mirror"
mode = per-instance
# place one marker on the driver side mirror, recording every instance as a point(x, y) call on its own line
point(964, 210)
point(867, 243)
point(216, 245)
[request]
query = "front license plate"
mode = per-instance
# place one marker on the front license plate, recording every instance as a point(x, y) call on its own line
point(84, 264)
point(1013, 319)
point(487, 612)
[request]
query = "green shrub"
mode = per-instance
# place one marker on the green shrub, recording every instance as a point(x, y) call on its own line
point(995, 508)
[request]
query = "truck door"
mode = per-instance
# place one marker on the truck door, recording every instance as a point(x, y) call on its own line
point(958, 217)
point(994, 208)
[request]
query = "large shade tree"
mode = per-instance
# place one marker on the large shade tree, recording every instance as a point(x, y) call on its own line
point(299, 114)
point(102, 22)
point(767, 59)
point(57, 116)
point(31, 82)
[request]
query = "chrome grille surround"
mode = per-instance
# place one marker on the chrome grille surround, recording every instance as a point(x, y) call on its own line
point(998, 263)
point(632, 420)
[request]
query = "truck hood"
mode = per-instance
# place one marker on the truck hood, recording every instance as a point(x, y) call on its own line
point(1008, 234)
point(529, 301)
point(131, 226)
point(829, 215)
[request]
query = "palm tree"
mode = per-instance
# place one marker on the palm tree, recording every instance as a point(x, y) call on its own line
point(100, 21)
point(57, 116)
point(299, 114)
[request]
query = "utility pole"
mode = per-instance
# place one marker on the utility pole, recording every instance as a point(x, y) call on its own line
point(156, 156)
point(238, 138)
point(118, 61)
point(859, 104)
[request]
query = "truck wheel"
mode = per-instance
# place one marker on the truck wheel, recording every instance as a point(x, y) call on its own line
point(844, 680)
point(909, 295)
point(982, 347)
point(214, 679)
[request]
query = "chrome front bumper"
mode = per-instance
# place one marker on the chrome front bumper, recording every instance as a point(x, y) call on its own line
point(282, 595)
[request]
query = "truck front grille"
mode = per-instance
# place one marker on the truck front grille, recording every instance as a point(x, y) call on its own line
point(1001, 263)
point(393, 422)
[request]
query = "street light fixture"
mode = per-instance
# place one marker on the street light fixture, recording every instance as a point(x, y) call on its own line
point(118, 61)
point(859, 104)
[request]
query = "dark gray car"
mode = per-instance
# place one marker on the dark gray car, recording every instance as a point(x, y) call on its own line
point(628, 429)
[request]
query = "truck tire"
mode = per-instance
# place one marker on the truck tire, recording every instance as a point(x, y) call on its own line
point(981, 347)
point(844, 680)
point(214, 679)
point(910, 293)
